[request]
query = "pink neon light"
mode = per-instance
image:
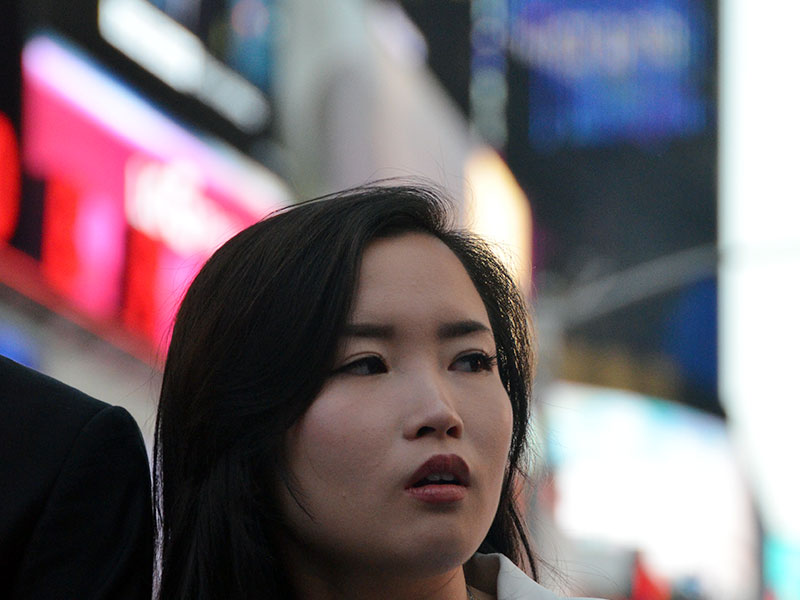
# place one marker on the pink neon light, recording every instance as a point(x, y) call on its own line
point(125, 115)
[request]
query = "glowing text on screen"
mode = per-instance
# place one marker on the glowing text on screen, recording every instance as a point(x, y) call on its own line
point(615, 71)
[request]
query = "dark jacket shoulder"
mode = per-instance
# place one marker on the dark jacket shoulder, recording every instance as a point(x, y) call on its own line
point(75, 518)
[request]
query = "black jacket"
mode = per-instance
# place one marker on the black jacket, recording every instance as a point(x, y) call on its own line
point(75, 516)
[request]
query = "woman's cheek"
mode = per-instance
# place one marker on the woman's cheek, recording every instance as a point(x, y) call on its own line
point(334, 442)
point(495, 419)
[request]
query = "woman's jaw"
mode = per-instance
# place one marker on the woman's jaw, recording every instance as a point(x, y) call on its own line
point(317, 575)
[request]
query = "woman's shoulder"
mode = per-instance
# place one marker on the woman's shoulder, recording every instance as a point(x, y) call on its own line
point(495, 573)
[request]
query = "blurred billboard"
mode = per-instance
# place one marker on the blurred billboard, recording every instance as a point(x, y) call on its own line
point(120, 204)
point(644, 485)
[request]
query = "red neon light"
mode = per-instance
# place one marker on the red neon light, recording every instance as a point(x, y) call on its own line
point(9, 178)
point(139, 311)
point(59, 257)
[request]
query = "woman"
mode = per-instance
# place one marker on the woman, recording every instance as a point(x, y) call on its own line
point(344, 411)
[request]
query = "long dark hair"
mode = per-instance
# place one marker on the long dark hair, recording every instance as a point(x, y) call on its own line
point(253, 343)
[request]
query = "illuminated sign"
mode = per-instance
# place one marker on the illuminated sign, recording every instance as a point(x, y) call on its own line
point(166, 201)
point(618, 70)
point(180, 58)
point(488, 89)
point(642, 473)
point(9, 178)
point(132, 203)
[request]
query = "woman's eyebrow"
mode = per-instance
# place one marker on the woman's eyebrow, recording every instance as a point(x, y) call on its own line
point(461, 328)
point(368, 330)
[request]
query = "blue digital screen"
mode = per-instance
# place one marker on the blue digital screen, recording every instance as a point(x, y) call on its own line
point(602, 72)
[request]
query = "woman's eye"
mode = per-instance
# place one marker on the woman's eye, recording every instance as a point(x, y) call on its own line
point(368, 365)
point(474, 362)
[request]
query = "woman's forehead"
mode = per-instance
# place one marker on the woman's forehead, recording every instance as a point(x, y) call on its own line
point(415, 275)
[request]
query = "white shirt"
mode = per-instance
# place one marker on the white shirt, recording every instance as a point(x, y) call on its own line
point(495, 573)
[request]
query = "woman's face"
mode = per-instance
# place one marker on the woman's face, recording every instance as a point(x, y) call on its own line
point(399, 461)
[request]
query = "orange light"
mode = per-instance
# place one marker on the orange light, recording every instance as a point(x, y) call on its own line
point(498, 211)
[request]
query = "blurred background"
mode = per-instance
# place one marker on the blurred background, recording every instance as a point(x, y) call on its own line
point(634, 160)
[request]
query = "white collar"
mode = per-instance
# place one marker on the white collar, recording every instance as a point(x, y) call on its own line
point(496, 574)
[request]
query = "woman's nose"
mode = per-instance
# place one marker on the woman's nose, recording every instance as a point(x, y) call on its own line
point(434, 411)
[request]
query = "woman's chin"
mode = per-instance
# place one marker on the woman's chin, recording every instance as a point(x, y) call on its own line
point(435, 554)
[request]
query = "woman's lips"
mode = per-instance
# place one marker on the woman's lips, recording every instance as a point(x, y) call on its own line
point(438, 494)
point(441, 479)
